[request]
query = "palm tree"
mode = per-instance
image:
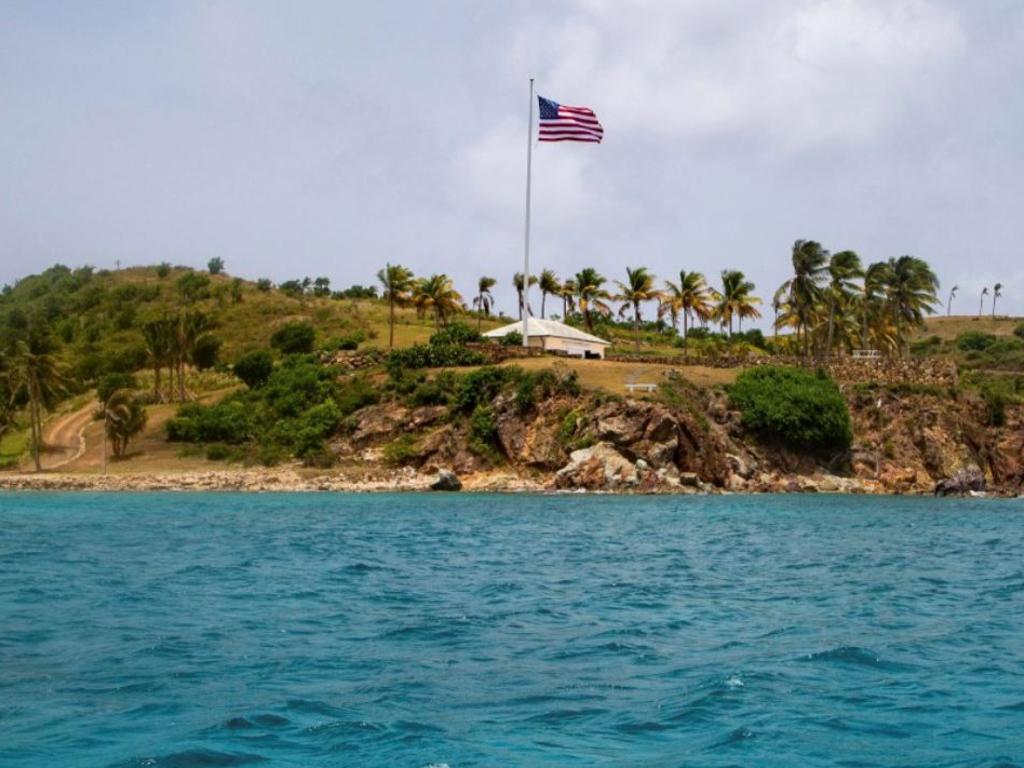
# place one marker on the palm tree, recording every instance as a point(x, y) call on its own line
point(548, 283)
point(568, 294)
point(591, 294)
point(437, 293)
point(997, 291)
point(159, 338)
point(981, 303)
point(843, 269)
point(876, 277)
point(517, 281)
point(123, 418)
point(638, 288)
point(687, 297)
point(397, 282)
point(952, 295)
point(810, 263)
point(190, 326)
point(735, 300)
point(910, 293)
point(484, 300)
point(37, 371)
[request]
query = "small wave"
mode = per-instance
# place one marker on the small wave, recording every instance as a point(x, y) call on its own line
point(194, 758)
point(852, 655)
point(738, 736)
point(264, 720)
point(556, 716)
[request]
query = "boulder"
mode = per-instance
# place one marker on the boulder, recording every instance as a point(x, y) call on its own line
point(446, 481)
point(600, 467)
point(967, 480)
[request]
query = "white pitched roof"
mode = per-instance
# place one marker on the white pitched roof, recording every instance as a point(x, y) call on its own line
point(538, 327)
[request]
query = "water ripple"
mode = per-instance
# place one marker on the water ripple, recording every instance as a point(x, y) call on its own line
point(319, 630)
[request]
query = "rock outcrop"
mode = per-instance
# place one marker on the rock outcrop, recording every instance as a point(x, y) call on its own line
point(967, 480)
point(446, 481)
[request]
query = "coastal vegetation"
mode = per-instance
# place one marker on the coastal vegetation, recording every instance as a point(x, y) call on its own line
point(253, 372)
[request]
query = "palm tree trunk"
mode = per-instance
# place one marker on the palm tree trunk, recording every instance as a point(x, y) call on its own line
point(831, 326)
point(156, 382)
point(391, 322)
point(37, 431)
point(544, 298)
point(586, 317)
point(686, 330)
point(636, 325)
point(479, 311)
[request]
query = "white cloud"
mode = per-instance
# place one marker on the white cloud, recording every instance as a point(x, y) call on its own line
point(793, 74)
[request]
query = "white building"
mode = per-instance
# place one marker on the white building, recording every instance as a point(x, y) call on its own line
point(553, 336)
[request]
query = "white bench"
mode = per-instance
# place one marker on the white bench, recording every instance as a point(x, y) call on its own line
point(642, 387)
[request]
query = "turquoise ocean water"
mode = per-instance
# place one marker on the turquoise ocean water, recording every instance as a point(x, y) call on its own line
point(407, 630)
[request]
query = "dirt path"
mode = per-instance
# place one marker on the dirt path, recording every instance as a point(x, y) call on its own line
point(64, 438)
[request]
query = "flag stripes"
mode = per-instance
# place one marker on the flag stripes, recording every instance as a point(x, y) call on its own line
point(562, 123)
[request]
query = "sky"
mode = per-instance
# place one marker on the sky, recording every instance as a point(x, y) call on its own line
point(326, 138)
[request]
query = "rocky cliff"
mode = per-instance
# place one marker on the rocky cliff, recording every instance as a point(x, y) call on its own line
point(685, 439)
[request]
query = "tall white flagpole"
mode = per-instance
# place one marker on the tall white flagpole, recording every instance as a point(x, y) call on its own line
point(526, 250)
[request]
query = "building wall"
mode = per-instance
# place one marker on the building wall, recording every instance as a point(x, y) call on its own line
point(571, 346)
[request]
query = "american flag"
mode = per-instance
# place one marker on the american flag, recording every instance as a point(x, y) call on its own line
point(561, 123)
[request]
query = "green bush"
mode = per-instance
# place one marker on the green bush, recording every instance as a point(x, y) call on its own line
point(254, 368)
point(456, 333)
point(1019, 331)
point(436, 391)
point(218, 452)
point(400, 450)
point(206, 351)
point(995, 395)
point(481, 386)
point(263, 285)
point(215, 265)
point(792, 406)
point(229, 421)
point(432, 356)
point(512, 339)
point(111, 382)
point(483, 433)
point(974, 340)
point(295, 338)
point(163, 269)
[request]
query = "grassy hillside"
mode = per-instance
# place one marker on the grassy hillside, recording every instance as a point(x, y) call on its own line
point(97, 315)
point(947, 328)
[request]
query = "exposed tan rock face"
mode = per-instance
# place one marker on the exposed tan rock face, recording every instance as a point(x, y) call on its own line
point(378, 422)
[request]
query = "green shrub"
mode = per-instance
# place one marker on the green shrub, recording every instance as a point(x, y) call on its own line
point(400, 450)
point(974, 340)
point(263, 285)
point(436, 391)
point(254, 368)
point(456, 333)
point(215, 265)
point(111, 382)
point(512, 339)
point(229, 421)
point(294, 338)
point(481, 386)
point(218, 452)
point(792, 406)
point(1019, 331)
point(432, 356)
point(483, 433)
point(163, 269)
point(540, 385)
point(206, 351)
point(995, 395)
